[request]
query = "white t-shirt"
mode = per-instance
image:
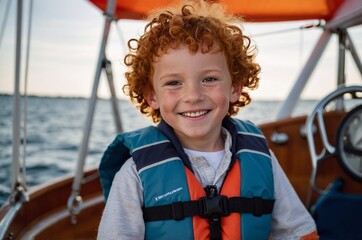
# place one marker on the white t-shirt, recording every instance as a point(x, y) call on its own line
point(213, 158)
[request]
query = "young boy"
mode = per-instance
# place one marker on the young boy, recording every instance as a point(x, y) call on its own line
point(199, 174)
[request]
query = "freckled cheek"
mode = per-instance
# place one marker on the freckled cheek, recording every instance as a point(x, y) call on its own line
point(222, 98)
point(168, 103)
point(226, 103)
point(223, 103)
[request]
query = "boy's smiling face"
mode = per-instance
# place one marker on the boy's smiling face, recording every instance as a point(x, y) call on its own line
point(193, 93)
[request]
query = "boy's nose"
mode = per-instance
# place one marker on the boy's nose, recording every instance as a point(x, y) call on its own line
point(193, 93)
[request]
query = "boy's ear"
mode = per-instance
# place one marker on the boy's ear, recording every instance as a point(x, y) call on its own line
point(236, 90)
point(152, 100)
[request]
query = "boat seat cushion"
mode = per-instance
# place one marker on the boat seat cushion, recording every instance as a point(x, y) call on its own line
point(113, 159)
point(338, 215)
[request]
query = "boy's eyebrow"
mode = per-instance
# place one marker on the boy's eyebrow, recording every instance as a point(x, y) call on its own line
point(169, 74)
point(211, 70)
point(202, 72)
point(216, 68)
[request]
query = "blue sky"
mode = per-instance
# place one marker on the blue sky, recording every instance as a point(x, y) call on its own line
point(66, 38)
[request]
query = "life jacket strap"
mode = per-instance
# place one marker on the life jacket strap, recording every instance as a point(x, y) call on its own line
point(218, 206)
point(213, 207)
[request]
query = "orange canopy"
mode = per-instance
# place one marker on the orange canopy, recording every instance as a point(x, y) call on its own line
point(251, 10)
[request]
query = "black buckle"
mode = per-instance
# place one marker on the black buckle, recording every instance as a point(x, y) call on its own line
point(214, 207)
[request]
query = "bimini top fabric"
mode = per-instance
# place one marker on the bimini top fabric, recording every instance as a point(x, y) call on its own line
point(251, 10)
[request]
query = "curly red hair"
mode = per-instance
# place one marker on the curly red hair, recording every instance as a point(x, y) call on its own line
point(194, 24)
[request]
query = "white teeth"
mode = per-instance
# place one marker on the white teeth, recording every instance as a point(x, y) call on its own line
point(194, 114)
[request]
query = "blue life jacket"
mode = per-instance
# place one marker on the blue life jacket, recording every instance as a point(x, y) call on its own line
point(175, 204)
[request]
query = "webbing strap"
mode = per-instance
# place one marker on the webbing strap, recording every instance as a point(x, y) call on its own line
point(215, 228)
point(180, 210)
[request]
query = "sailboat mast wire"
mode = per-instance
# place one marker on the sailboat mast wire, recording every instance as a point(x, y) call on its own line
point(301, 47)
point(23, 167)
point(121, 37)
point(6, 14)
point(16, 188)
point(312, 25)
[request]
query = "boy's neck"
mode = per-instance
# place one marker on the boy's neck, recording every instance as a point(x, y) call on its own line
point(206, 145)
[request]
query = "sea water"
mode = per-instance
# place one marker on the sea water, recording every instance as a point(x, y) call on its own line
point(54, 130)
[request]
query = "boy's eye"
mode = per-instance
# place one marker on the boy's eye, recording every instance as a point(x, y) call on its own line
point(209, 79)
point(172, 83)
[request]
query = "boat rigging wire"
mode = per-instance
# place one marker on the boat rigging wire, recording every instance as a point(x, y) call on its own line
point(18, 185)
point(16, 114)
point(121, 37)
point(25, 114)
point(301, 46)
point(18, 192)
point(307, 26)
point(6, 15)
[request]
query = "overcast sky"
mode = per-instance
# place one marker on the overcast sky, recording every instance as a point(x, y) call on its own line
point(66, 38)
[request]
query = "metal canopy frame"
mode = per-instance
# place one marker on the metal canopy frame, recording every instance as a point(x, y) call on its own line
point(75, 201)
point(339, 26)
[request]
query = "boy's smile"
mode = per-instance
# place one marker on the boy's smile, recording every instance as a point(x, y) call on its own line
point(193, 93)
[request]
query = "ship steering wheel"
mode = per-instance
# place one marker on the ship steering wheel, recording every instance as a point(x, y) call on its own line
point(348, 144)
